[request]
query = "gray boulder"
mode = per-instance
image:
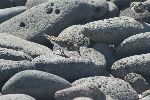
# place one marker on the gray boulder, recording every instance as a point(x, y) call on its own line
point(6, 14)
point(137, 82)
point(10, 54)
point(113, 11)
point(82, 90)
point(145, 93)
point(16, 97)
point(147, 3)
point(122, 3)
point(32, 3)
point(133, 64)
point(8, 68)
point(146, 98)
point(107, 51)
point(82, 98)
point(38, 84)
point(114, 87)
point(11, 3)
point(15, 43)
point(52, 17)
point(134, 45)
point(145, 16)
point(90, 63)
point(112, 31)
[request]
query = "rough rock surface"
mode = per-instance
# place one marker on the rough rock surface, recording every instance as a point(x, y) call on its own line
point(15, 43)
point(11, 3)
point(145, 93)
point(133, 64)
point(16, 97)
point(10, 54)
point(146, 98)
point(130, 13)
point(107, 51)
point(112, 31)
point(82, 98)
point(90, 63)
point(8, 68)
point(147, 3)
point(134, 45)
point(83, 90)
point(8, 13)
point(121, 3)
point(52, 17)
point(38, 84)
point(113, 11)
point(137, 82)
point(116, 88)
point(32, 3)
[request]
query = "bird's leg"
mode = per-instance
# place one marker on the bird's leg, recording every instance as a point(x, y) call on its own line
point(63, 53)
point(77, 48)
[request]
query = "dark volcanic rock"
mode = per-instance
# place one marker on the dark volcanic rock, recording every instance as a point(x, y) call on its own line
point(11, 3)
point(111, 31)
point(147, 3)
point(116, 88)
point(90, 63)
point(16, 97)
point(32, 3)
point(38, 84)
point(9, 54)
point(52, 17)
point(143, 17)
point(8, 13)
point(134, 45)
point(83, 90)
point(133, 64)
point(113, 11)
point(8, 68)
point(122, 3)
point(107, 51)
point(137, 82)
point(15, 43)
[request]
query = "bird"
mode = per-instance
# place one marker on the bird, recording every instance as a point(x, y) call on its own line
point(63, 44)
point(138, 7)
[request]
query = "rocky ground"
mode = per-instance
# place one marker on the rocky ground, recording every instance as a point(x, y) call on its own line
point(74, 49)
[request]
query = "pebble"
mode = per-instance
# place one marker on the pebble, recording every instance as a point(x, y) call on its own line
point(38, 84)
